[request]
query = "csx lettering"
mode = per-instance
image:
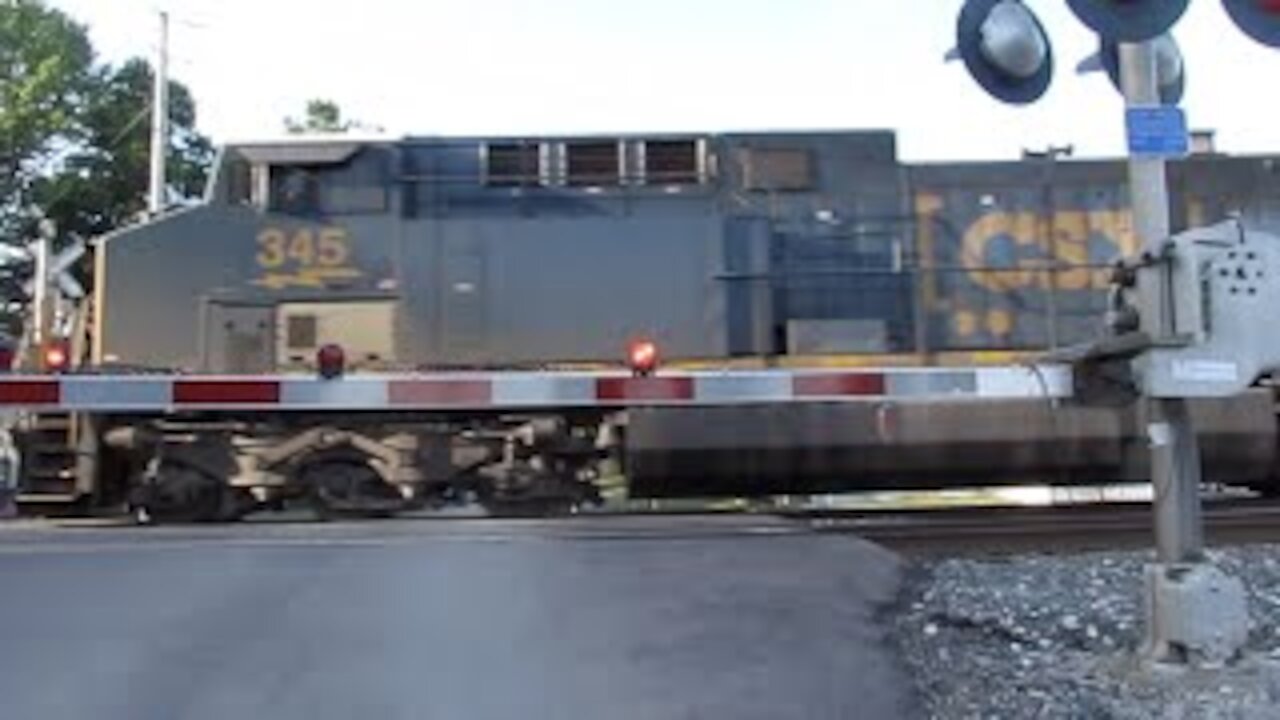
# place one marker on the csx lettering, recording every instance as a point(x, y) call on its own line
point(1068, 246)
point(306, 248)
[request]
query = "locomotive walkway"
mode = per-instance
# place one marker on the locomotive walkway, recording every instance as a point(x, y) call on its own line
point(653, 618)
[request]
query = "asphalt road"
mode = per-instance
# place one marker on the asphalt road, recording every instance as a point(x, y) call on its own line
point(670, 618)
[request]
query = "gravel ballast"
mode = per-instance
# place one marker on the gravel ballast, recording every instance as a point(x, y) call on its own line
point(1057, 637)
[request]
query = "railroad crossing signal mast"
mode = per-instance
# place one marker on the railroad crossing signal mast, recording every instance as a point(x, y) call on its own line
point(1186, 310)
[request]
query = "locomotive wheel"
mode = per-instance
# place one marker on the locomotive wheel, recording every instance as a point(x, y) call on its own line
point(540, 497)
point(349, 488)
point(179, 493)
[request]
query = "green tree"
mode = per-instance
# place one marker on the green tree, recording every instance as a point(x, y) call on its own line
point(75, 136)
point(46, 73)
point(322, 116)
point(103, 182)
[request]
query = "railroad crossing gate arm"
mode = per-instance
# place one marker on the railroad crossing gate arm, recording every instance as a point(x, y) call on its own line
point(523, 391)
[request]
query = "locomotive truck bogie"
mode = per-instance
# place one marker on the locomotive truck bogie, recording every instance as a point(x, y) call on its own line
point(221, 468)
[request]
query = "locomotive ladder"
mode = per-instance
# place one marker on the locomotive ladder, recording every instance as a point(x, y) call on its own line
point(51, 456)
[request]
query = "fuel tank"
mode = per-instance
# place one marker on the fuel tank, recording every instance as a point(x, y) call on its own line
point(824, 448)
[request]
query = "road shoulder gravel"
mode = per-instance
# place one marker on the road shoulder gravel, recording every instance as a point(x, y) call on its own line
point(1055, 636)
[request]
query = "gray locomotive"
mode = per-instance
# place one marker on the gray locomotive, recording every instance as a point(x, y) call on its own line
point(732, 250)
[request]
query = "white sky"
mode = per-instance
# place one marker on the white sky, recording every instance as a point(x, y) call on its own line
point(566, 66)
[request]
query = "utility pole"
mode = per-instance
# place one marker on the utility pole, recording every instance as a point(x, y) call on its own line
point(156, 199)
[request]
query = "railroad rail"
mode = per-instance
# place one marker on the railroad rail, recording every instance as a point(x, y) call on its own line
point(1060, 528)
point(916, 533)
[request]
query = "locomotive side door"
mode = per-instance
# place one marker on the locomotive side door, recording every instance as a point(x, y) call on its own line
point(238, 339)
point(463, 292)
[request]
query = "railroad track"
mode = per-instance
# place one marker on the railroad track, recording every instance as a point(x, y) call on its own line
point(1047, 529)
point(950, 531)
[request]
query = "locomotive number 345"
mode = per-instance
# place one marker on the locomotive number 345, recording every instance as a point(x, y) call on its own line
point(306, 247)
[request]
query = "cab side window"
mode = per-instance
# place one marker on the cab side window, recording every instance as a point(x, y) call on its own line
point(294, 190)
point(357, 186)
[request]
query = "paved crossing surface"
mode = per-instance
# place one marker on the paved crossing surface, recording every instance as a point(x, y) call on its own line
point(585, 618)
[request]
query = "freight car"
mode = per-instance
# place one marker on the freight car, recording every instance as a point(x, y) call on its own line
point(550, 255)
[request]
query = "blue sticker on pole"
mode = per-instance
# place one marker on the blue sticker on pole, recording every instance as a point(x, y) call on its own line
point(1157, 131)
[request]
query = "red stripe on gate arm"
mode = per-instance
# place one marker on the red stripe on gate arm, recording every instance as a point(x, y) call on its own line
point(226, 392)
point(838, 384)
point(441, 392)
point(30, 392)
point(644, 388)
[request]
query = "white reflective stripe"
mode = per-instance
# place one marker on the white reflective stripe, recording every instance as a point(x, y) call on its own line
point(551, 390)
point(537, 389)
point(1050, 381)
point(742, 387)
point(89, 392)
point(354, 393)
point(928, 383)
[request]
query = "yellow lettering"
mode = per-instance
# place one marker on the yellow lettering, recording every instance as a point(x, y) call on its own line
point(334, 247)
point(927, 207)
point(1070, 249)
point(1116, 226)
point(305, 248)
point(965, 323)
point(272, 244)
point(302, 248)
point(1019, 227)
point(1066, 241)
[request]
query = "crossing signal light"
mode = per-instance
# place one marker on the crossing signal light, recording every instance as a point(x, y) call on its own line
point(56, 357)
point(642, 357)
point(1130, 21)
point(1259, 19)
point(1171, 71)
point(1005, 48)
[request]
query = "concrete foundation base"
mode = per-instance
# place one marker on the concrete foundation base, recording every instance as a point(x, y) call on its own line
point(1196, 615)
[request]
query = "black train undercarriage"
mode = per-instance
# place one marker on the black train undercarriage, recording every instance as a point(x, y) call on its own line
point(217, 467)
